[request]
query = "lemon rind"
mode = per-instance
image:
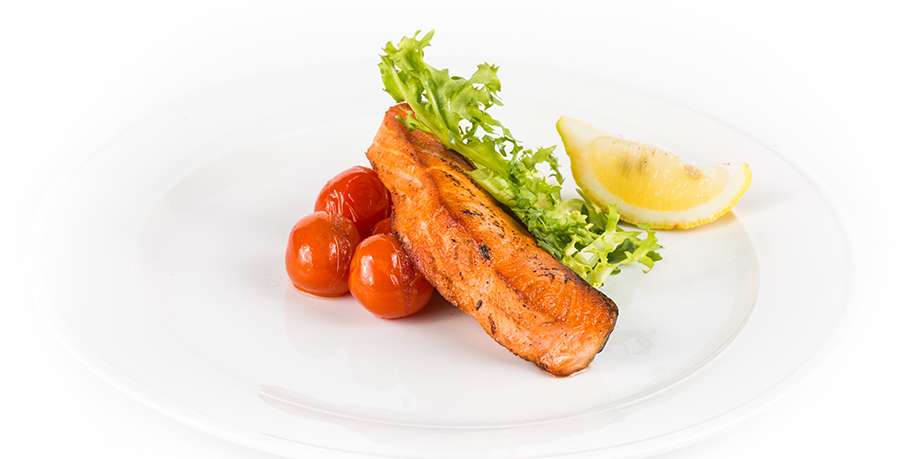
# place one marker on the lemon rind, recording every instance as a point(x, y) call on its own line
point(689, 218)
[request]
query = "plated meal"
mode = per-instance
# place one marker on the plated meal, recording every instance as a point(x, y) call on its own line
point(454, 202)
point(168, 281)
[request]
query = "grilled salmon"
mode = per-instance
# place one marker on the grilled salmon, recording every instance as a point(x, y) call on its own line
point(481, 259)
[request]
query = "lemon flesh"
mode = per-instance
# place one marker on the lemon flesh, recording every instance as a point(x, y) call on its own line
point(650, 186)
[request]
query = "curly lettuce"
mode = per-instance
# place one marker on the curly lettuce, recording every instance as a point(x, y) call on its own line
point(581, 234)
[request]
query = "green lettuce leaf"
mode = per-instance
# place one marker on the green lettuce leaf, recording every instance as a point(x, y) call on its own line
point(581, 234)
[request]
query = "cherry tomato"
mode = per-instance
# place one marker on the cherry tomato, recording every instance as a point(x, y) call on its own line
point(319, 253)
point(385, 280)
point(358, 195)
point(384, 226)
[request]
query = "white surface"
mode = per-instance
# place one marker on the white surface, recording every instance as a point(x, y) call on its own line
point(169, 283)
point(818, 83)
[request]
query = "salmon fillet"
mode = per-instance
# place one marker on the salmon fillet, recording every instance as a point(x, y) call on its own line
point(481, 259)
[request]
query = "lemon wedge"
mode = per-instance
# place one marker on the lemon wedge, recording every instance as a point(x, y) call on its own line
point(650, 186)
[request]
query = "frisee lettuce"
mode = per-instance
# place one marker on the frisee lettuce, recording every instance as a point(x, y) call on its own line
point(583, 235)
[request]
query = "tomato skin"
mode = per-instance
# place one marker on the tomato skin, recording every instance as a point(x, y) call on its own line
point(384, 279)
point(358, 195)
point(383, 226)
point(319, 252)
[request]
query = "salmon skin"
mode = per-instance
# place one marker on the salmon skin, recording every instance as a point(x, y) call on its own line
point(481, 259)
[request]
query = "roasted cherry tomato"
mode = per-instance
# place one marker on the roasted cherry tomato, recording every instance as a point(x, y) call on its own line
point(358, 195)
point(385, 280)
point(319, 253)
point(384, 226)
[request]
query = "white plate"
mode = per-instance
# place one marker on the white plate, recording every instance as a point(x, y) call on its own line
point(169, 281)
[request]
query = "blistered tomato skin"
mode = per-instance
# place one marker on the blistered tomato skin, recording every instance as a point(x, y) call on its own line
point(384, 279)
point(358, 195)
point(319, 252)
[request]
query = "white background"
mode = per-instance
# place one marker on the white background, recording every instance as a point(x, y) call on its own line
point(831, 86)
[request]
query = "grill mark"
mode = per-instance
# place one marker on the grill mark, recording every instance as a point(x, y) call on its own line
point(452, 178)
point(485, 251)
